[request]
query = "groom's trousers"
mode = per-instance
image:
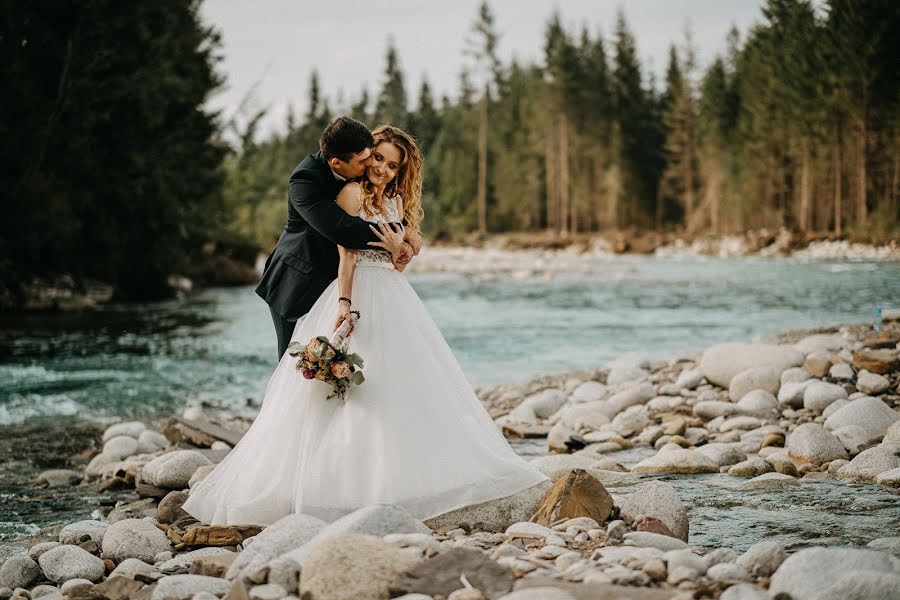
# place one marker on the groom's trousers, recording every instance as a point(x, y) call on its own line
point(284, 329)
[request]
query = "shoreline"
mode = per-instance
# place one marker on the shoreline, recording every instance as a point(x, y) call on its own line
point(776, 416)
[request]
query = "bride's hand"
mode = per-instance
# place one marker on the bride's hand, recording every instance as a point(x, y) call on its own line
point(344, 315)
point(391, 239)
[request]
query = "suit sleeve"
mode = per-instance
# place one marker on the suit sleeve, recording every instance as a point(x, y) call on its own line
point(325, 216)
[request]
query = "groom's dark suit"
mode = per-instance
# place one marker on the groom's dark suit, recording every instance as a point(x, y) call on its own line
point(305, 261)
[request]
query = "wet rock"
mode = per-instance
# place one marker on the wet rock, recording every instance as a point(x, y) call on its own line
point(184, 587)
point(819, 394)
point(351, 565)
point(889, 478)
point(762, 558)
point(82, 531)
point(19, 572)
point(59, 477)
point(658, 499)
point(71, 562)
point(868, 464)
point(871, 414)
point(723, 455)
point(134, 538)
point(173, 470)
point(577, 494)
point(767, 379)
point(493, 515)
point(752, 467)
point(282, 536)
point(810, 443)
point(671, 460)
point(876, 361)
point(440, 575)
point(770, 481)
point(872, 383)
point(722, 362)
point(811, 571)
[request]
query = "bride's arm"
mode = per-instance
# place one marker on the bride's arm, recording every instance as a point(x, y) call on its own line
point(410, 237)
point(350, 200)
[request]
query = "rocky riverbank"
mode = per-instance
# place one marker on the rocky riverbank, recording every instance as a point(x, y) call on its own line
point(790, 413)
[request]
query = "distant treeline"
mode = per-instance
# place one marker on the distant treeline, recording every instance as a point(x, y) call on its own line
point(113, 169)
point(795, 125)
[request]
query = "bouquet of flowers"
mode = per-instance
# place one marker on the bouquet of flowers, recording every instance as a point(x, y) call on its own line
point(328, 360)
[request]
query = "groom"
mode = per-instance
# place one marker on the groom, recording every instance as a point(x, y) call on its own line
point(305, 260)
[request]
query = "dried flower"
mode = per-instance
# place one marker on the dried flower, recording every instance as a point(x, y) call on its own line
point(340, 370)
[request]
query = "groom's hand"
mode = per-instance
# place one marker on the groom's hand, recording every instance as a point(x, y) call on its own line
point(406, 254)
point(415, 241)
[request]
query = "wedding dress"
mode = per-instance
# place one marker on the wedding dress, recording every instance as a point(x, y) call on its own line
point(413, 433)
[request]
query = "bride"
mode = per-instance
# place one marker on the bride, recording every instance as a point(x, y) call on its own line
point(413, 434)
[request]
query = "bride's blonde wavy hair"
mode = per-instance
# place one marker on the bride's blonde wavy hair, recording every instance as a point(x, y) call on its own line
point(408, 182)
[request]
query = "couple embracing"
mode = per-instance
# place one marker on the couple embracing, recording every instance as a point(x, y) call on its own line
point(414, 433)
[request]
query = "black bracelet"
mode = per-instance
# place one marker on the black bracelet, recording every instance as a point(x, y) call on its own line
point(347, 299)
point(355, 312)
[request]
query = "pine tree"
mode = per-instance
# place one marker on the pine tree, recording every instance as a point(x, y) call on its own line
point(391, 106)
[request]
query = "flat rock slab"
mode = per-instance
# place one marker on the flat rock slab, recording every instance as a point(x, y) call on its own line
point(586, 591)
point(440, 575)
point(200, 433)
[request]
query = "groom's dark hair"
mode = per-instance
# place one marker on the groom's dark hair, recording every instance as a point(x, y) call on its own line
point(345, 137)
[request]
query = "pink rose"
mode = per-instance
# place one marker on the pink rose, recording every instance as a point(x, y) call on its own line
point(340, 370)
point(309, 373)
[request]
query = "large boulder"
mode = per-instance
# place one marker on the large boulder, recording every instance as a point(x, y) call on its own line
point(19, 572)
point(812, 571)
point(284, 535)
point(134, 538)
point(493, 515)
point(377, 519)
point(577, 494)
point(353, 566)
point(658, 499)
point(720, 363)
point(71, 562)
point(810, 443)
point(869, 464)
point(864, 585)
point(873, 415)
point(173, 470)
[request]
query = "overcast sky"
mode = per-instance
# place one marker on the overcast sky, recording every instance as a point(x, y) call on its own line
point(276, 43)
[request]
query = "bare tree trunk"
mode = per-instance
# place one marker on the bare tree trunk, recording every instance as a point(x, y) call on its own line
point(861, 209)
point(838, 184)
point(552, 198)
point(564, 201)
point(805, 204)
point(482, 164)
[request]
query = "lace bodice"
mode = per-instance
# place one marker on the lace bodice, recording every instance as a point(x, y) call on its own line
point(390, 214)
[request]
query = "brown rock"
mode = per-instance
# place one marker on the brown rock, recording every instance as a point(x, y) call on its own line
point(817, 364)
point(675, 427)
point(654, 525)
point(876, 361)
point(169, 509)
point(783, 465)
point(109, 564)
point(440, 575)
point(145, 593)
point(145, 490)
point(883, 341)
point(114, 484)
point(773, 439)
point(91, 546)
point(118, 587)
point(199, 433)
point(213, 566)
point(238, 591)
point(521, 430)
point(576, 494)
point(219, 535)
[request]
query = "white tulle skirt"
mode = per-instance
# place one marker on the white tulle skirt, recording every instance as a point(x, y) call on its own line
point(412, 434)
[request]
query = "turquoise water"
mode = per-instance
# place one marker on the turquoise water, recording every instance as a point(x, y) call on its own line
point(217, 346)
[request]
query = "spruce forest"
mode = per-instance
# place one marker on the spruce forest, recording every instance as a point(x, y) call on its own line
point(114, 170)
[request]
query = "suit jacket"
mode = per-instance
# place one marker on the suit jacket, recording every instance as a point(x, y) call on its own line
point(305, 260)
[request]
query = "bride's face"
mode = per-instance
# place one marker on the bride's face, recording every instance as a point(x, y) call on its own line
point(385, 164)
